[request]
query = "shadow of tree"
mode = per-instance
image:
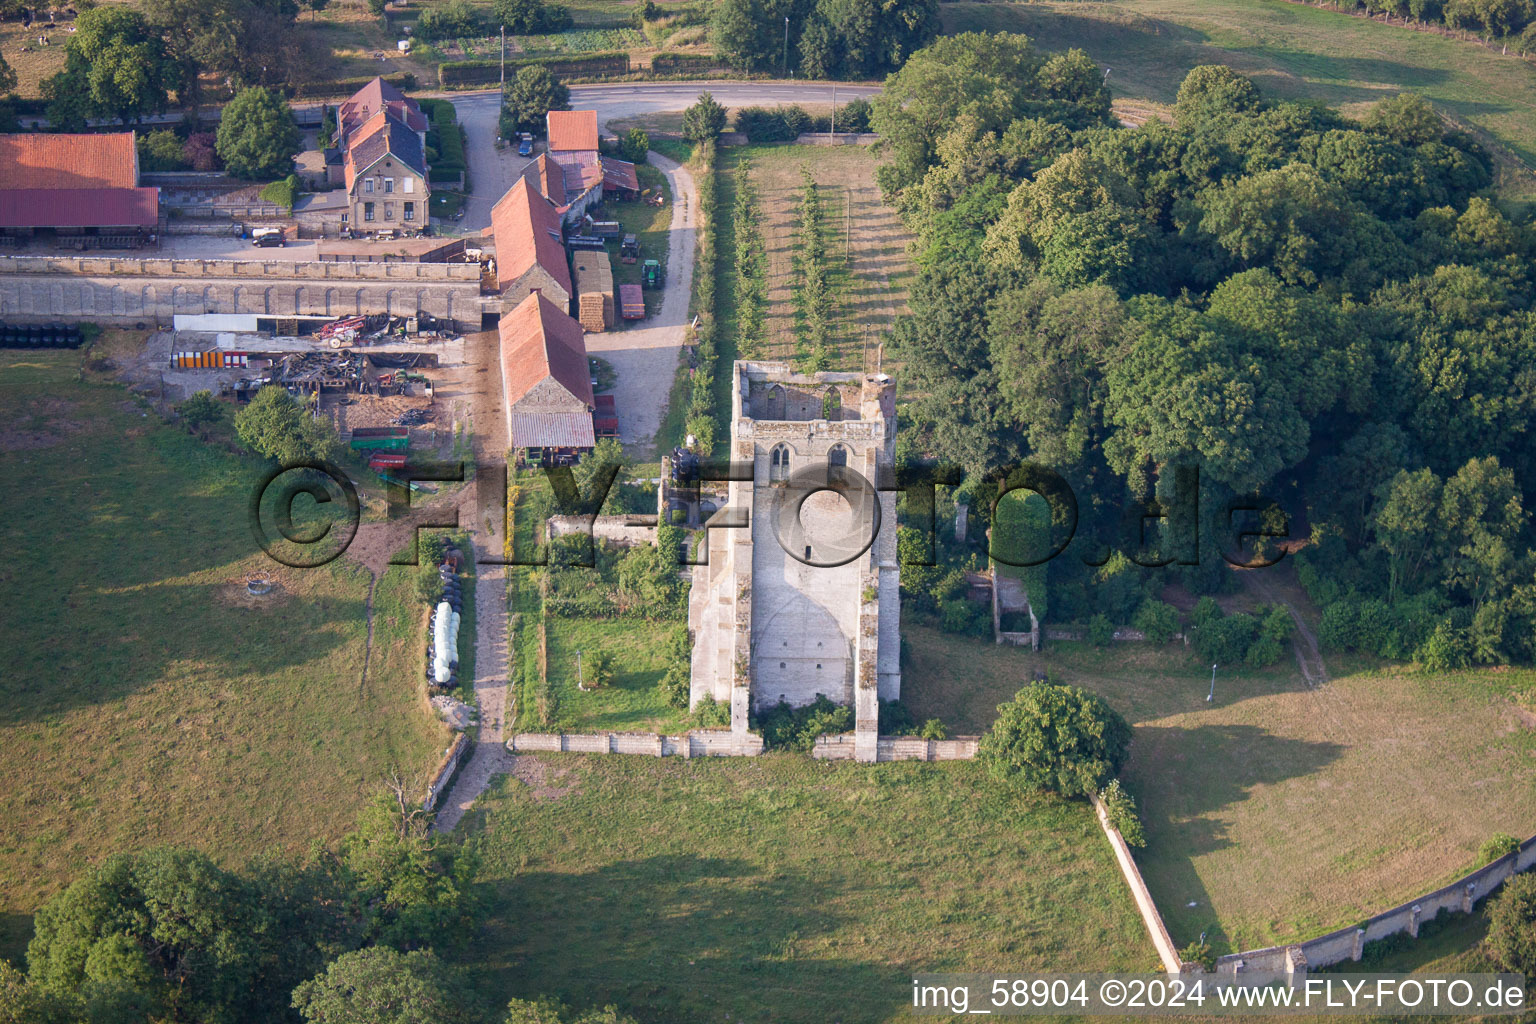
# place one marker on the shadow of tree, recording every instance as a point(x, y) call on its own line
point(668, 938)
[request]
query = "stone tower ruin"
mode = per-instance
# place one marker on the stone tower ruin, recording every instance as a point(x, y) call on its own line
point(804, 598)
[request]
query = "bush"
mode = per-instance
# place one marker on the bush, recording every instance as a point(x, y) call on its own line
point(450, 19)
point(710, 713)
point(854, 117)
point(704, 121)
point(1226, 640)
point(200, 152)
point(1340, 627)
point(1120, 806)
point(933, 729)
point(1501, 844)
point(636, 146)
point(1199, 952)
point(1100, 631)
point(1158, 620)
point(597, 670)
point(1263, 652)
point(200, 411)
point(284, 193)
point(161, 151)
point(1057, 738)
point(1206, 611)
point(1512, 925)
point(1448, 648)
point(787, 728)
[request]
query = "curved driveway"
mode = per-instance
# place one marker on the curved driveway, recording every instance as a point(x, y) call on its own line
point(492, 171)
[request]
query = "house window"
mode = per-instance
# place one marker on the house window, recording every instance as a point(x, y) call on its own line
point(367, 211)
point(389, 211)
point(368, 185)
point(410, 211)
point(389, 185)
point(408, 185)
point(778, 463)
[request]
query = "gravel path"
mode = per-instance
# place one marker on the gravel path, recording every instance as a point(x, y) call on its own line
point(645, 358)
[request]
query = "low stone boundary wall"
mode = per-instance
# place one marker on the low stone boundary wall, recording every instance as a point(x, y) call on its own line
point(1349, 943)
point(1124, 634)
point(193, 269)
point(837, 139)
point(700, 743)
point(1161, 940)
point(898, 748)
point(623, 530)
point(443, 779)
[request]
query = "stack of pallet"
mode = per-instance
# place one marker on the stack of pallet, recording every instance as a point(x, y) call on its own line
point(594, 290)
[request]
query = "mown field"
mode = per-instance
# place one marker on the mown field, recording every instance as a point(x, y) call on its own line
point(869, 273)
point(1292, 51)
point(1278, 811)
point(147, 700)
point(780, 889)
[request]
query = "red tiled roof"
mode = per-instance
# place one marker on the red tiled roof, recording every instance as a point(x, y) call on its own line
point(379, 95)
point(539, 341)
point(546, 176)
point(572, 129)
point(80, 207)
point(42, 161)
point(619, 174)
point(527, 230)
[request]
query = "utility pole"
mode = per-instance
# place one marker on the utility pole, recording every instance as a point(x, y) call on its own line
point(784, 63)
point(503, 62)
point(832, 125)
point(1212, 695)
point(847, 225)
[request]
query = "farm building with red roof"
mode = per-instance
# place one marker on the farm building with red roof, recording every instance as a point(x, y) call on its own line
point(546, 380)
point(530, 256)
point(82, 189)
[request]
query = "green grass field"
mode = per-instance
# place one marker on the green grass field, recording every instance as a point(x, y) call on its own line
point(1280, 811)
point(633, 702)
point(781, 889)
point(1292, 51)
point(651, 225)
point(148, 700)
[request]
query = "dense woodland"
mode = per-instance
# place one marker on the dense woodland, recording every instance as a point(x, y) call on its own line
point(847, 39)
point(1332, 314)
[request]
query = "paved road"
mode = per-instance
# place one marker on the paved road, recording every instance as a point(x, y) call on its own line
point(493, 171)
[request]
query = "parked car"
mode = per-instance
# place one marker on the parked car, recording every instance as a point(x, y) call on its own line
point(524, 144)
point(267, 237)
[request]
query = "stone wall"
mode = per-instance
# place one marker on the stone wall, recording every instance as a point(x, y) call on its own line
point(1349, 943)
point(626, 531)
point(111, 288)
point(1156, 930)
point(699, 743)
point(897, 748)
point(197, 269)
point(442, 779)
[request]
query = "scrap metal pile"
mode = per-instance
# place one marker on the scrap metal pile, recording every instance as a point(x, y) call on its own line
point(342, 370)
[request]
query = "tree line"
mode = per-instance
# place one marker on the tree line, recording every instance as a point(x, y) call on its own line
point(1333, 312)
point(350, 934)
point(1508, 20)
point(848, 39)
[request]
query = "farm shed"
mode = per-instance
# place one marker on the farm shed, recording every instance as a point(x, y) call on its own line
point(594, 290)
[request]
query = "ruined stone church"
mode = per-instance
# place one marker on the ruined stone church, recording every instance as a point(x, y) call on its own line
point(803, 598)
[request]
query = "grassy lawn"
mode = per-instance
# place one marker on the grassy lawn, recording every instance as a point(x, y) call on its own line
point(633, 702)
point(869, 289)
point(148, 699)
point(1292, 51)
point(688, 891)
point(1280, 811)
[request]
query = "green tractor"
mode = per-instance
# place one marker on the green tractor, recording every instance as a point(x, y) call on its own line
point(650, 274)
